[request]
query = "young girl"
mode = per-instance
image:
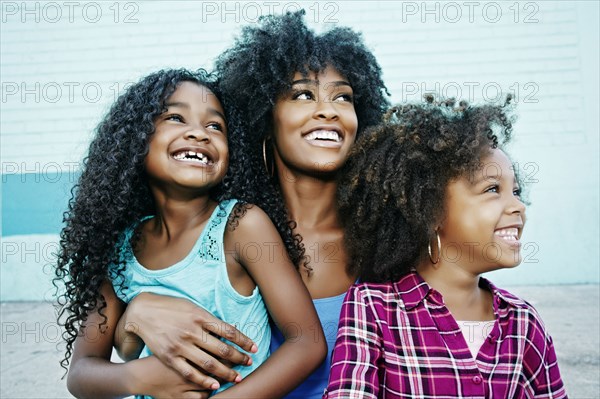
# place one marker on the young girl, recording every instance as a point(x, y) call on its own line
point(301, 99)
point(429, 203)
point(146, 217)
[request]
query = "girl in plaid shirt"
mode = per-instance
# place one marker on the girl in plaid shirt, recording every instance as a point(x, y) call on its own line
point(429, 202)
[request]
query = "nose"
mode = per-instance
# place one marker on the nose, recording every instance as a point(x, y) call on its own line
point(516, 206)
point(325, 109)
point(197, 133)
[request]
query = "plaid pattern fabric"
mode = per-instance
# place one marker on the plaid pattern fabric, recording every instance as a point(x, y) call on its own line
point(399, 340)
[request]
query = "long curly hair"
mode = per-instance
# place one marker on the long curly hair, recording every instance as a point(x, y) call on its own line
point(112, 193)
point(392, 189)
point(258, 69)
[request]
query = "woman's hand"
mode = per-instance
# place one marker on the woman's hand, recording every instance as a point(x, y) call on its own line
point(182, 334)
point(152, 377)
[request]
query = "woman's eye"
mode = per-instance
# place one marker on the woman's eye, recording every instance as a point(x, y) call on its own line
point(174, 117)
point(344, 98)
point(303, 95)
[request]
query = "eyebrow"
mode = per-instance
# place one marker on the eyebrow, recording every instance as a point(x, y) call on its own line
point(486, 178)
point(491, 178)
point(212, 111)
point(337, 83)
point(178, 104)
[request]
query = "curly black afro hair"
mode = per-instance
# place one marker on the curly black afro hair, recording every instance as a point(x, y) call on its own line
point(259, 68)
point(392, 189)
point(112, 193)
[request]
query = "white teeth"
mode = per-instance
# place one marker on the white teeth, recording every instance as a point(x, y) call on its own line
point(510, 234)
point(191, 156)
point(323, 135)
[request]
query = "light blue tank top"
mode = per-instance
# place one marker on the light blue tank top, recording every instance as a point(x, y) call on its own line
point(328, 310)
point(201, 277)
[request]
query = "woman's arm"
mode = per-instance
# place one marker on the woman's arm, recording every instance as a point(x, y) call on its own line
point(288, 303)
point(127, 343)
point(357, 352)
point(180, 334)
point(92, 375)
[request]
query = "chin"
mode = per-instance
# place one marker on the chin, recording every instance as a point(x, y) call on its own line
point(329, 170)
point(323, 168)
point(510, 263)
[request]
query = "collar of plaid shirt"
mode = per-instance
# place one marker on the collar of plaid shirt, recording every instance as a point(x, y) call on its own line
point(412, 290)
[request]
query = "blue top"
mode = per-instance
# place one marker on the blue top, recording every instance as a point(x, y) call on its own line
point(201, 277)
point(328, 310)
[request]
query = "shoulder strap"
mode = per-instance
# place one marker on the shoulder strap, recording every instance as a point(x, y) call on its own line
point(212, 245)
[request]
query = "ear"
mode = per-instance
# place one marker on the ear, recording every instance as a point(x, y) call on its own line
point(440, 224)
point(440, 231)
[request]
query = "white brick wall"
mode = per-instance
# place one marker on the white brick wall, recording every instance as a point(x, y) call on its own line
point(552, 60)
point(67, 73)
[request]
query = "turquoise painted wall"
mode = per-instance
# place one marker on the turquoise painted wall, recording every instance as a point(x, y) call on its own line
point(63, 64)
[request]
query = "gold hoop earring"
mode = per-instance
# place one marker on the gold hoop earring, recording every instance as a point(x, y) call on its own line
point(264, 150)
point(439, 248)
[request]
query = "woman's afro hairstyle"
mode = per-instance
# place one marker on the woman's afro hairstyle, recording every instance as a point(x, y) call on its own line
point(259, 68)
point(112, 193)
point(393, 187)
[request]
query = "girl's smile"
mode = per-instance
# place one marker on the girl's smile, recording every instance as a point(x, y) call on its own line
point(485, 217)
point(511, 235)
point(189, 147)
point(195, 156)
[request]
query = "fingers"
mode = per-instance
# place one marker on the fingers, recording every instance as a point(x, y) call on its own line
point(196, 395)
point(194, 375)
point(220, 349)
point(211, 366)
point(201, 351)
point(229, 332)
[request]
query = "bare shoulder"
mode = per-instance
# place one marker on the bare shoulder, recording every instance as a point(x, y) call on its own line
point(247, 222)
point(248, 217)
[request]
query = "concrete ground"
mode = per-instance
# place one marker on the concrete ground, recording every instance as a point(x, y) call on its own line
point(29, 349)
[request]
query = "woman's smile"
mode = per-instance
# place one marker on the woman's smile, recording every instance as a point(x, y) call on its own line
point(315, 123)
point(325, 136)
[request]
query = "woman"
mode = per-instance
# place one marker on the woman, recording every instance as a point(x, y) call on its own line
point(299, 100)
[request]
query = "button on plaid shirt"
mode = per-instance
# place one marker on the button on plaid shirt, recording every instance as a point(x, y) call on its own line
point(399, 340)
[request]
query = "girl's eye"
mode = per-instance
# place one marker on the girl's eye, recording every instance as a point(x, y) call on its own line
point(303, 95)
point(174, 117)
point(492, 189)
point(215, 126)
point(517, 192)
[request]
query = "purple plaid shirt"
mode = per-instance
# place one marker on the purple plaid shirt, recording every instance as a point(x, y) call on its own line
point(399, 340)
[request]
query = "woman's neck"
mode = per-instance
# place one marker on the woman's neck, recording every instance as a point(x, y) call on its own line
point(311, 202)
